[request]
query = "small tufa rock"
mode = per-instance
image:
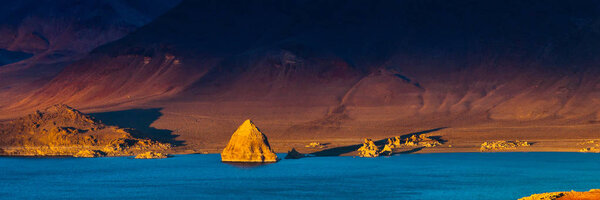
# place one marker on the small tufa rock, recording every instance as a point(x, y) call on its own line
point(595, 149)
point(394, 142)
point(293, 154)
point(151, 155)
point(369, 149)
point(315, 145)
point(387, 150)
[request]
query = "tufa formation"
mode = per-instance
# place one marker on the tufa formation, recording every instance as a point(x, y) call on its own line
point(293, 154)
point(248, 144)
point(369, 149)
point(151, 155)
point(502, 145)
point(413, 141)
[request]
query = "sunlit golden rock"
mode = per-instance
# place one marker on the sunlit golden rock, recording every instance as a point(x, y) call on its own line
point(394, 142)
point(503, 145)
point(592, 146)
point(88, 154)
point(151, 155)
point(421, 140)
point(369, 149)
point(248, 144)
point(572, 195)
point(293, 154)
point(387, 150)
point(315, 145)
point(594, 149)
point(413, 141)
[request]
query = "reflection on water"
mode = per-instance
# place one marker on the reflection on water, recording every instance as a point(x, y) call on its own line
point(247, 164)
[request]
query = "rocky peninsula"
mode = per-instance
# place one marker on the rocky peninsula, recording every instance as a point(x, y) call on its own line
point(248, 144)
point(572, 195)
point(63, 131)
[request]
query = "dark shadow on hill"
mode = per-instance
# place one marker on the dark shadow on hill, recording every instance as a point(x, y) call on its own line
point(8, 57)
point(408, 151)
point(337, 151)
point(140, 120)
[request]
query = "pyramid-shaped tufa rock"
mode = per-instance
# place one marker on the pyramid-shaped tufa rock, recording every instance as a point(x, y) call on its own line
point(248, 144)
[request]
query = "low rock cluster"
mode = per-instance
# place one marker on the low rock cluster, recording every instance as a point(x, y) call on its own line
point(151, 155)
point(413, 141)
point(593, 147)
point(369, 149)
point(503, 145)
point(316, 145)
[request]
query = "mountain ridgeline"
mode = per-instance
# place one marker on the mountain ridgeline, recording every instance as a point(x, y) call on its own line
point(354, 60)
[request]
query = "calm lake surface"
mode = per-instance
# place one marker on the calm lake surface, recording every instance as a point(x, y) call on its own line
point(408, 176)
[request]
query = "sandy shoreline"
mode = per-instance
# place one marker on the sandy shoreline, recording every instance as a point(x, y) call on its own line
point(282, 146)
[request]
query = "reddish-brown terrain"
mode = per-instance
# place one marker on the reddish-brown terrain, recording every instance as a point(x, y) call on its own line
point(63, 131)
point(338, 71)
point(39, 38)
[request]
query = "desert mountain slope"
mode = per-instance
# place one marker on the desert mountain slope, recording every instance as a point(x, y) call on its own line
point(351, 67)
point(39, 38)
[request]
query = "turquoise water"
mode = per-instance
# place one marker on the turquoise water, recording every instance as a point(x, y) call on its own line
point(408, 176)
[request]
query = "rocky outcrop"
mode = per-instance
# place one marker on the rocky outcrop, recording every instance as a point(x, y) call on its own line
point(368, 149)
point(293, 154)
point(572, 195)
point(394, 142)
point(595, 149)
point(316, 145)
point(151, 155)
point(89, 154)
point(387, 150)
point(421, 140)
point(63, 131)
point(592, 147)
point(248, 144)
point(503, 145)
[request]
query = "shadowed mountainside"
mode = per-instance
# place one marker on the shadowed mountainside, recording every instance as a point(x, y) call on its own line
point(346, 68)
point(412, 57)
point(39, 38)
point(140, 120)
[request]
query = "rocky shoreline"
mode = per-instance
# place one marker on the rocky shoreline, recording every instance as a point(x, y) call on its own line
point(572, 195)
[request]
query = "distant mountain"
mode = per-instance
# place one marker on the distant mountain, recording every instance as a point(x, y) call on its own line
point(39, 38)
point(383, 61)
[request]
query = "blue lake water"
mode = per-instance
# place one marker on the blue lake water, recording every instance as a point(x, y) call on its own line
point(408, 176)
